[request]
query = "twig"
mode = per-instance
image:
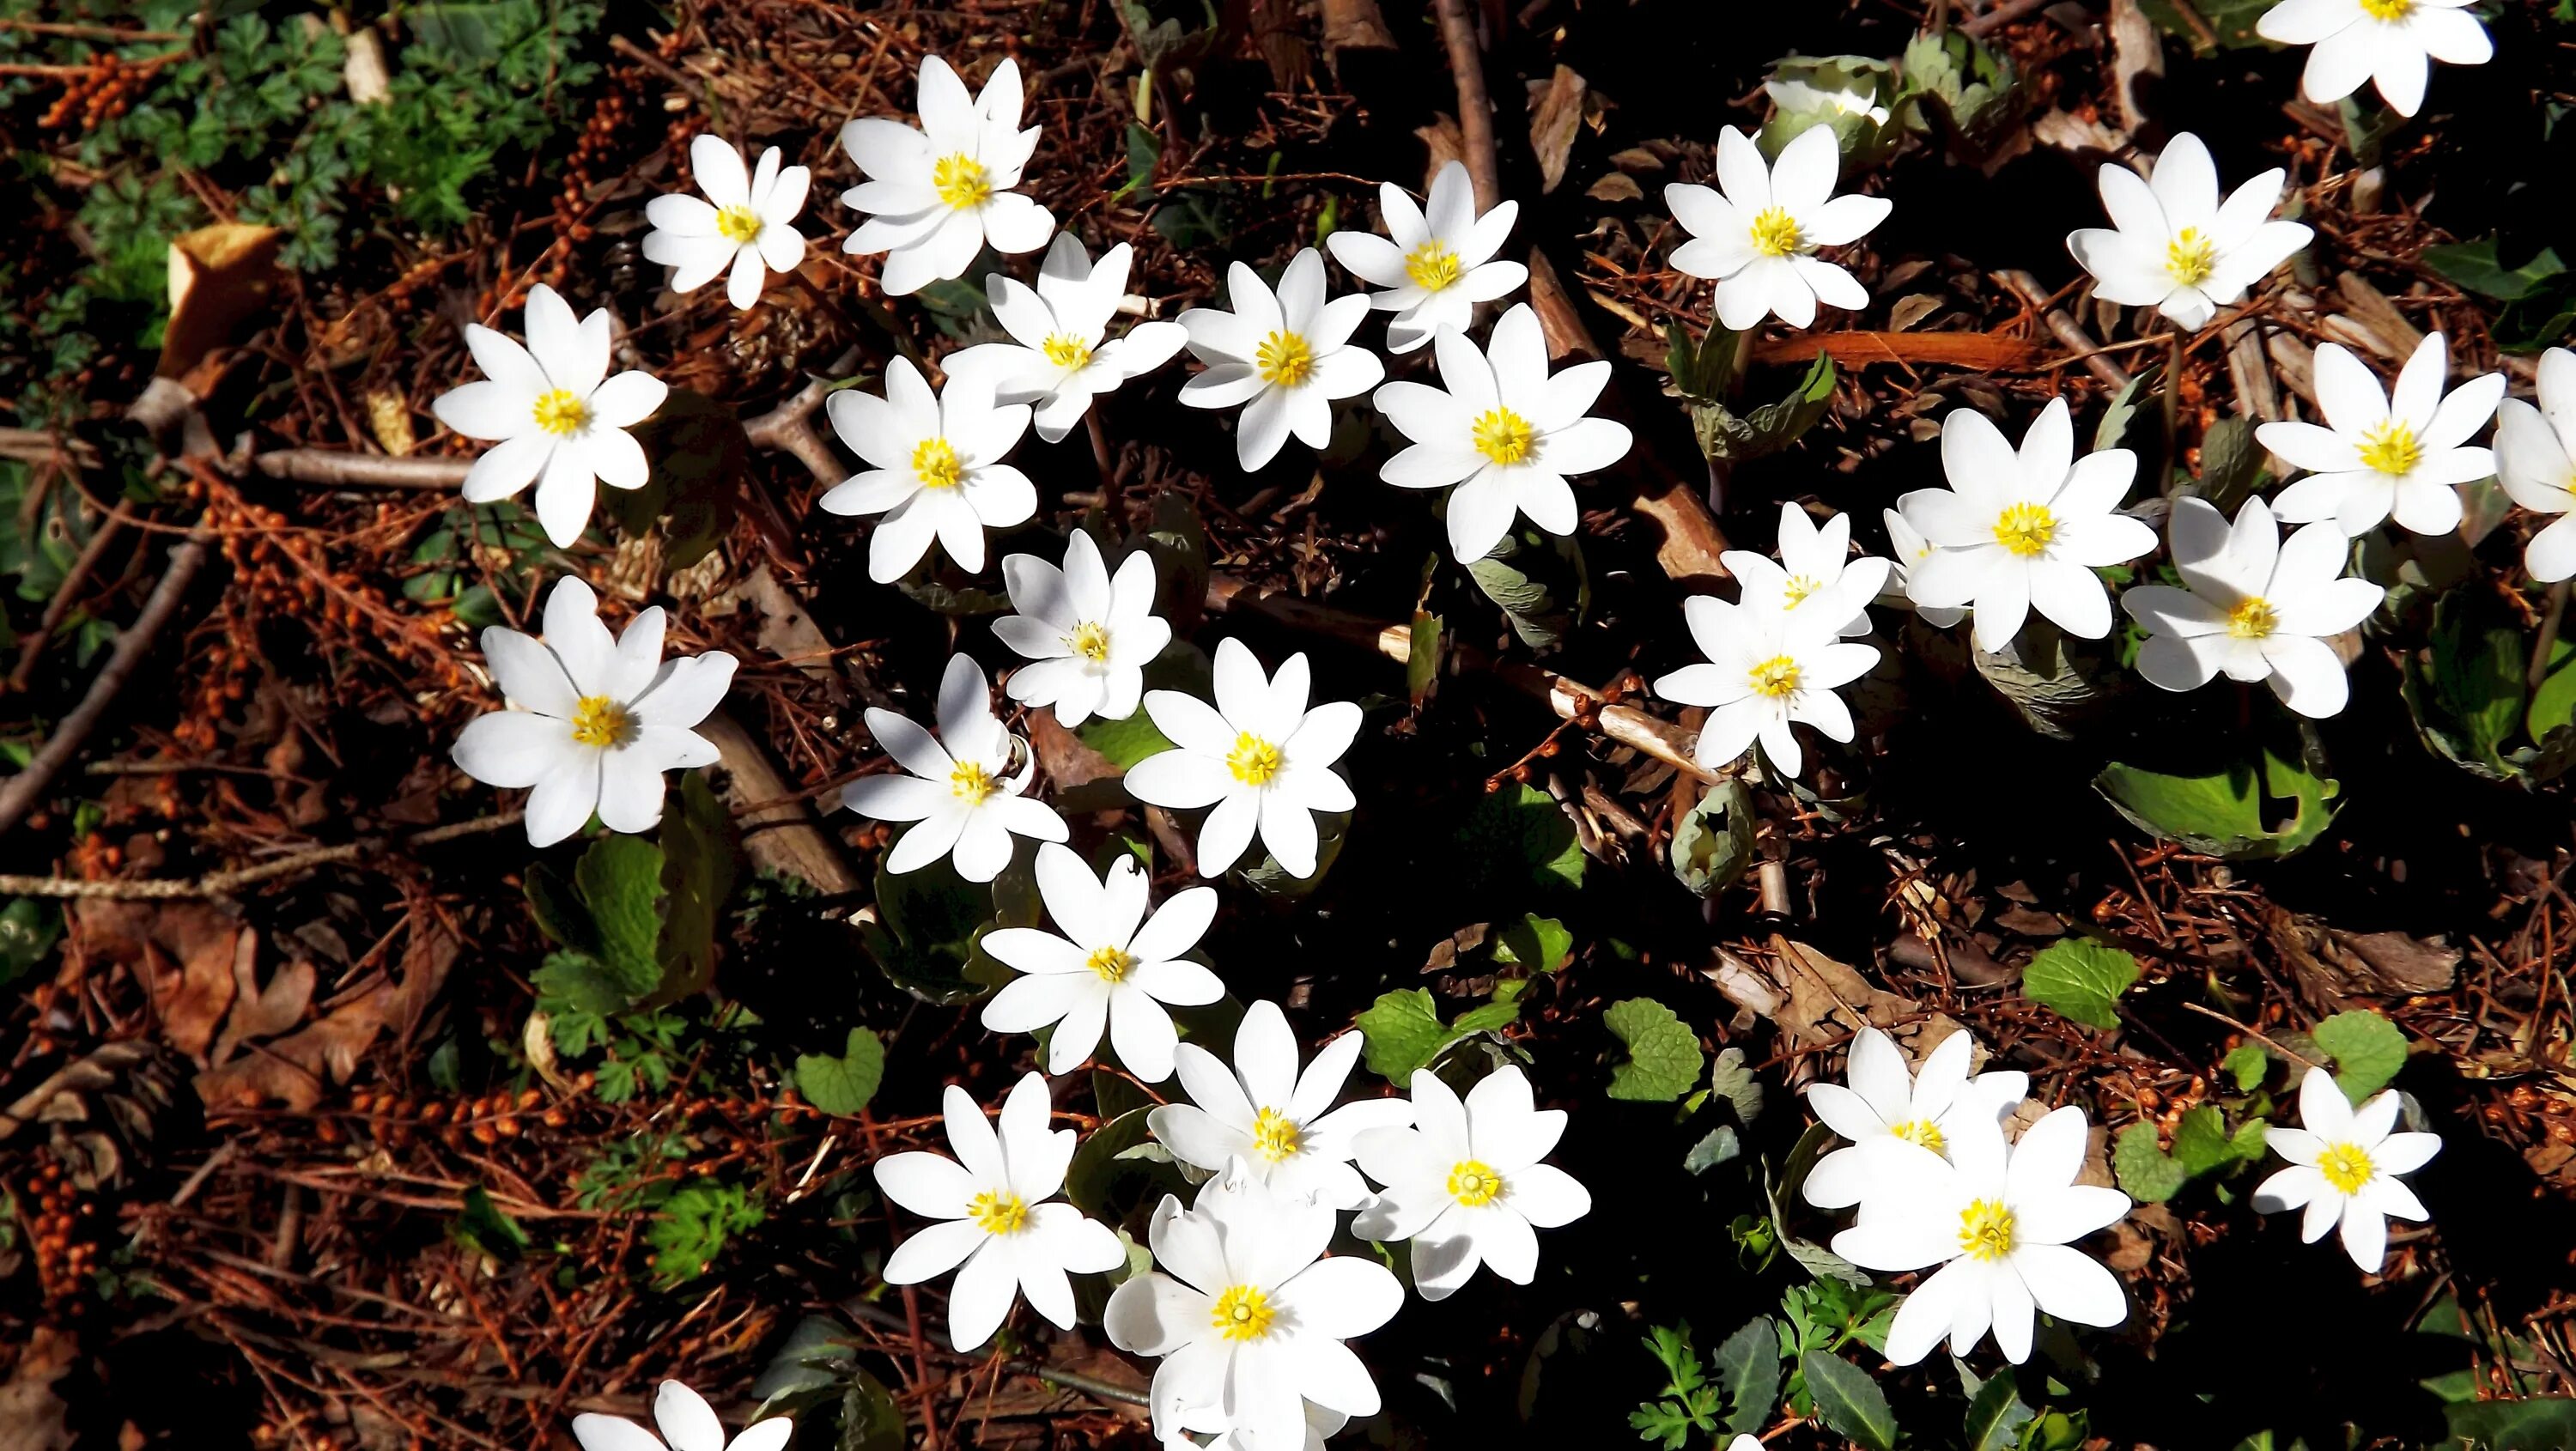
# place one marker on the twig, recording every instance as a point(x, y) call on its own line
point(2065, 328)
point(2252, 1032)
point(1475, 109)
point(23, 790)
point(1068, 1380)
point(224, 884)
point(2001, 16)
point(789, 427)
point(330, 466)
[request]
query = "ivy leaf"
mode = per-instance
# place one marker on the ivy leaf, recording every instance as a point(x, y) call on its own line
point(1663, 1053)
point(2367, 1050)
point(2247, 1066)
point(2080, 981)
point(1539, 943)
point(1748, 1370)
point(842, 1086)
point(1848, 1401)
point(1403, 1032)
point(2147, 1173)
point(2203, 1145)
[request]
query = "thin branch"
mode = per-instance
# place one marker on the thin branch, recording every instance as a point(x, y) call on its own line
point(225, 884)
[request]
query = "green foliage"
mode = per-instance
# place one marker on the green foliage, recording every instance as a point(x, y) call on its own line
point(1848, 1401)
point(1712, 843)
point(1863, 142)
point(1728, 437)
point(450, 560)
point(842, 1085)
point(696, 1222)
point(1513, 840)
point(2367, 1050)
point(1541, 944)
point(1119, 1167)
point(1746, 1384)
point(2080, 981)
point(1663, 1058)
point(2542, 1423)
point(2201, 1145)
point(2246, 1066)
point(2255, 806)
point(28, 928)
point(1540, 583)
point(1402, 1030)
point(1957, 85)
point(1996, 1415)
point(2539, 295)
point(2225, 24)
point(483, 1228)
point(926, 928)
point(700, 456)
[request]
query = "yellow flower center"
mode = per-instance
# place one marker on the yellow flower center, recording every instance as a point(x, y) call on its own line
point(1474, 1184)
point(2254, 619)
point(2391, 448)
point(1797, 589)
point(960, 182)
point(1432, 267)
point(1253, 760)
point(1284, 359)
point(561, 413)
point(1776, 678)
point(1109, 964)
point(2190, 257)
point(1090, 640)
point(971, 783)
point(1070, 354)
point(1242, 1313)
point(1503, 436)
point(937, 465)
point(2025, 529)
point(998, 1211)
point(1275, 1135)
point(1775, 233)
point(2346, 1166)
point(1921, 1131)
point(738, 225)
point(1986, 1230)
point(2387, 9)
point(600, 721)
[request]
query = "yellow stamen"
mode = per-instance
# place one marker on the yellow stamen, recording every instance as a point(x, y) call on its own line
point(1109, 964)
point(2025, 529)
point(960, 182)
point(1776, 678)
point(1284, 359)
point(2391, 448)
point(738, 225)
point(2387, 9)
point(1474, 1184)
point(1986, 1230)
point(1275, 1135)
point(998, 1211)
point(1090, 640)
point(1921, 1131)
point(1253, 760)
point(2190, 257)
point(1797, 589)
point(561, 413)
point(1242, 1313)
point(600, 721)
point(1776, 234)
point(1432, 267)
point(972, 784)
point(1503, 436)
point(937, 465)
point(2346, 1166)
point(1070, 354)
point(2254, 619)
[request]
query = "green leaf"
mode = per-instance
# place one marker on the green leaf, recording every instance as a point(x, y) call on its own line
point(2230, 21)
point(1724, 436)
point(694, 1225)
point(2147, 1173)
point(1702, 369)
point(1748, 1372)
point(1713, 842)
point(1105, 1181)
point(1421, 657)
point(1124, 742)
point(2466, 687)
point(1664, 1057)
point(620, 881)
point(2247, 1065)
point(2478, 267)
point(2080, 981)
point(871, 1419)
point(2231, 463)
point(2367, 1050)
point(1720, 1145)
point(2542, 1423)
point(842, 1086)
point(2553, 704)
point(1848, 1401)
point(1996, 1415)
point(1403, 1032)
point(924, 935)
point(697, 876)
point(1539, 582)
point(1515, 839)
point(2202, 1143)
point(2226, 808)
point(700, 457)
point(483, 1228)
point(1541, 944)
point(27, 932)
point(584, 983)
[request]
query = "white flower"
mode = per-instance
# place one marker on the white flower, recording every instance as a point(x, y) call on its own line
point(687, 1423)
point(1248, 1320)
point(940, 193)
point(559, 419)
point(1998, 1222)
point(2390, 42)
point(2174, 246)
point(1091, 635)
point(1107, 964)
point(1800, 97)
point(1283, 358)
point(2252, 606)
point(2017, 532)
point(1465, 1184)
point(1504, 432)
point(1815, 574)
point(1322, 1424)
point(2398, 452)
point(2535, 452)
point(2343, 1167)
point(1000, 1234)
point(938, 470)
point(1279, 1122)
point(742, 224)
point(1889, 1106)
point(596, 720)
point(1258, 756)
point(1758, 231)
point(1766, 668)
point(1911, 549)
point(1438, 266)
point(1056, 359)
point(959, 789)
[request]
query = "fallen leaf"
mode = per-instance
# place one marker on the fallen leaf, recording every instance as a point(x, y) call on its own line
point(1553, 118)
point(185, 952)
point(263, 1012)
point(291, 1070)
point(220, 278)
point(32, 1417)
point(1828, 1001)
